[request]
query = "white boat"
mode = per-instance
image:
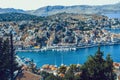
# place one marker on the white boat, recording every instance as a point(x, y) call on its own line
point(27, 60)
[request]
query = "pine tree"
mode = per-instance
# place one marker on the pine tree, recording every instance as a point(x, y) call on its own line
point(4, 59)
point(1, 61)
point(8, 62)
point(97, 68)
point(109, 68)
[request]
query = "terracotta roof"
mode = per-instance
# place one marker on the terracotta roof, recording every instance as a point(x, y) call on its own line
point(26, 75)
point(61, 75)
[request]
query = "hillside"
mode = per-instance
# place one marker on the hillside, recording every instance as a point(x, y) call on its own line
point(63, 29)
point(18, 17)
point(78, 9)
point(11, 10)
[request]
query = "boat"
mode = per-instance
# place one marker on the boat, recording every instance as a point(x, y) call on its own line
point(26, 60)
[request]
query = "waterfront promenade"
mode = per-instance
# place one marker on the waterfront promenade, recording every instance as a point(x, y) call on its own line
point(64, 48)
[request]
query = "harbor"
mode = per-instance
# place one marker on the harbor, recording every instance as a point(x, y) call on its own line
point(78, 56)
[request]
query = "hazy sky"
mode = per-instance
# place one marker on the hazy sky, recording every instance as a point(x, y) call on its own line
point(34, 4)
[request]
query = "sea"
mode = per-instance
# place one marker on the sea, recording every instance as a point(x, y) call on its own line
point(79, 56)
point(113, 15)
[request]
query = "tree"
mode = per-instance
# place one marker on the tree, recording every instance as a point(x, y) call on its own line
point(52, 77)
point(4, 59)
point(44, 74)
point(62, 69)
point(2, 65)
point(109, 68)
point(69, 75)
point(74, 68)
point(8, 62)
point(97, 68)
point(33, 67)
point(49, 76)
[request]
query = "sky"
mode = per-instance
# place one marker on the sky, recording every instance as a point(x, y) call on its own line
point(35, 4)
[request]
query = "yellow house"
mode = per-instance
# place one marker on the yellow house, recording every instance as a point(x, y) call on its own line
point(36, 47)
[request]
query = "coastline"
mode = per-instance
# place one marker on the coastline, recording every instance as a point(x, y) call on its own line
point(79, 58)
point(64, 48)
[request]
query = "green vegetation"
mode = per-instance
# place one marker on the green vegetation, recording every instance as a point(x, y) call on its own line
point(18, 17)
point(8, 62)
point(97, 68)
point(33, 67)
point(49, 76)
point(62, 69)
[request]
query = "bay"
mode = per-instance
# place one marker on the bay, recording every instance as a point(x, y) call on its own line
point(70, 57)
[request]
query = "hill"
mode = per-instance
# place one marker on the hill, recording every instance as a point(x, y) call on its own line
point(63, 29)
point(11, 10)
point(18, 17)
point(79, 9)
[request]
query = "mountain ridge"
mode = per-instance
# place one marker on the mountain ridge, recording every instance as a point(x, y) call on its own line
point(79, 9)
point(9, 10)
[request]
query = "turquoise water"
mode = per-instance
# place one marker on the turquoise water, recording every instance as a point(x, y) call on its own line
point(70, 57)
